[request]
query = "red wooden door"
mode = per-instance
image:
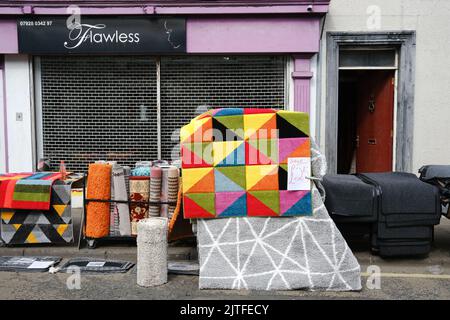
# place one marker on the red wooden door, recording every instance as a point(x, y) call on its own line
point(375, 116)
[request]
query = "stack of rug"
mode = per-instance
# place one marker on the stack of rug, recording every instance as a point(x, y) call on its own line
point(278, 238)
point(35, 208)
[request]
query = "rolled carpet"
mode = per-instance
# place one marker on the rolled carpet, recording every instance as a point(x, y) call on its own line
point(114, 227)
point(139, 191)
point(179, 228)
point(127, 172)
point(169, 189)
point(98, 187)
point(120, 193)
point(155, 191)
point(163, 209)
point(172, 190)
point(113, 214)
point(114, 220)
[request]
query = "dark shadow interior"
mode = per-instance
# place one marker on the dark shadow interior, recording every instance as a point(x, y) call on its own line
point(348, 92)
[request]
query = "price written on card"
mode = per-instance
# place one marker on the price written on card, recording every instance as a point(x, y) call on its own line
point(299, 169)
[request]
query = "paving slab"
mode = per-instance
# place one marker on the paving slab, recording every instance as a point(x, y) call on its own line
point(425, 278)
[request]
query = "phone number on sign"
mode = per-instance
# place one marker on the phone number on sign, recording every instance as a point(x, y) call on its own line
point(42, 23)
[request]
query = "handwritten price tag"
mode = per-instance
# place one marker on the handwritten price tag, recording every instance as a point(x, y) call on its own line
point(298, 171)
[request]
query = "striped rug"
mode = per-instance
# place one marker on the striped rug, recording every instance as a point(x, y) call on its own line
point(27, 190)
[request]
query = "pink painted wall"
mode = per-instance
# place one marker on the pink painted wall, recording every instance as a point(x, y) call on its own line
point(8, 36)
point(226, 35)
point(253, 35)
point(222, 35)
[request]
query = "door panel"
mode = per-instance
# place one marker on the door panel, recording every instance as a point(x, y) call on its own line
point(375, 114)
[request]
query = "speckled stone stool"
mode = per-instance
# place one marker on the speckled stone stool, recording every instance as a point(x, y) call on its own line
point(152, 251)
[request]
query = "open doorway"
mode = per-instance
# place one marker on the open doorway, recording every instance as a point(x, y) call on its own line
point(366, 112)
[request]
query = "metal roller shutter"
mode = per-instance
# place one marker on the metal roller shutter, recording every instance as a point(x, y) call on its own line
point(106, 107)
point(216, 81)
point(98, 108)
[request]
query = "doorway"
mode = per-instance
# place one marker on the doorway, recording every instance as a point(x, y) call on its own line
point(392, 51)
point(366, 121)
point(366, 109)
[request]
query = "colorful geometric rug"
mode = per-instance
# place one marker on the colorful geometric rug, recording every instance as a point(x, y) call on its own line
point(286, 253)
point(235, 163)
point(35, 226)
point(29, 191)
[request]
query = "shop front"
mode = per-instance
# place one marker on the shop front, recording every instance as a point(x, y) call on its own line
point(115, 82)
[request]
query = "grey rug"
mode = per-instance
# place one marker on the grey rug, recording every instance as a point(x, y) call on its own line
point(284, 253)
point(96, 265)
point(27, 263)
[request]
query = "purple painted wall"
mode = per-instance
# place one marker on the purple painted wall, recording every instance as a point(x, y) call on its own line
point(8, 36)
point(213, 27)
point(4, 114)
point(302, 82)
point(169, 6)
point(175, 10)
point(252, 35)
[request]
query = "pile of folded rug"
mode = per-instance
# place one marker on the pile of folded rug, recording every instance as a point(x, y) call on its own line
point(256, 229)
point(409, 208)
point(35, 208)
point(439, 176)
point(399, 209)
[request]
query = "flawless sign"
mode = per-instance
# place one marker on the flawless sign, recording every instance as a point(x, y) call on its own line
point(58, 35)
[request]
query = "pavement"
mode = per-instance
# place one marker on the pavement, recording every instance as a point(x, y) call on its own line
point(418, 278)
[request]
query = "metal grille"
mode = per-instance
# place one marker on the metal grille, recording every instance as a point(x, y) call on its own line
point(236, 81)
point(98, 108)
point(105, 107)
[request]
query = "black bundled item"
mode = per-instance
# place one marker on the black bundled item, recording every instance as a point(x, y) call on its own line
point(408, 211)
point(439, 176)
point(397, 209)
point(349, 199)
point(412, 232)
point(405, 200)
point(407, 248)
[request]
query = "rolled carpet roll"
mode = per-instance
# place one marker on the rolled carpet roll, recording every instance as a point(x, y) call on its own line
point(172, 190)
point(152, 252)
point(114, 226)
point(97, 213)
point(155, 191)
point(113, 211)
point(113, 214)
point(120, 193)
point(164, 208)
point(127, 172)
point(143, 164)
point(139, 191)
point(179, 228)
